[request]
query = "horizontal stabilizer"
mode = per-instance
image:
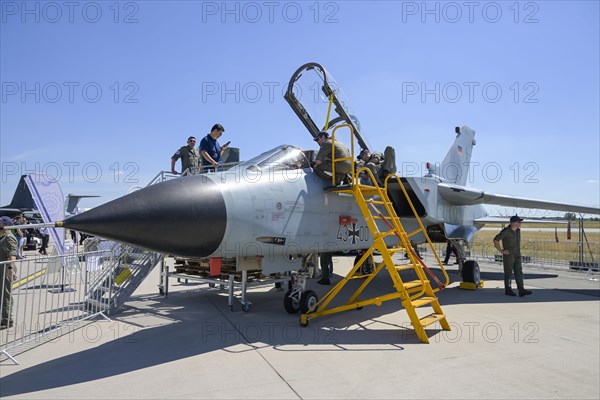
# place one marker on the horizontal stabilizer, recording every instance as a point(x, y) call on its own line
point(465, 196)
point(73, 200)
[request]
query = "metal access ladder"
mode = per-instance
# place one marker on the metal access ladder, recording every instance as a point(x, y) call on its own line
point(124, 268)
point(375, 206)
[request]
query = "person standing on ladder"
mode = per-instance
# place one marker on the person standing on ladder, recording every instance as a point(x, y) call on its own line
point(323, 162)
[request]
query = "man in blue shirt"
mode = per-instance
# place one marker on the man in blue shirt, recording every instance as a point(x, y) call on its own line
point(210, 150)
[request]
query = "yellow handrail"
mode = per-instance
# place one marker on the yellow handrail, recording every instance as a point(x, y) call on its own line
point(329, 109)
point(334, 160)
point(412, 207)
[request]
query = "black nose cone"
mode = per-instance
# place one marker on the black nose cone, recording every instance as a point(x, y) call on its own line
point(185, 217)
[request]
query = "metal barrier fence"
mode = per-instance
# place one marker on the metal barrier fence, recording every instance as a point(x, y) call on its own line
point(47, 295)
point(168, 175)
point(573, 255)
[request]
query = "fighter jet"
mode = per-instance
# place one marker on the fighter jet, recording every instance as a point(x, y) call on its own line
point(272, 210)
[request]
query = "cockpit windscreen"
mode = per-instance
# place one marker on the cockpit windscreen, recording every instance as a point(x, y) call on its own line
point(284, 157)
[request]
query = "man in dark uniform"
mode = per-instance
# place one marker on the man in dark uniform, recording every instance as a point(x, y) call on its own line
point(8, 252)
point(210, 149)
point(511, 256)
point(326, 261)
point(190, 158)
point(450, 249)
point(323, 165)
point(373, 163)
point(375, 166)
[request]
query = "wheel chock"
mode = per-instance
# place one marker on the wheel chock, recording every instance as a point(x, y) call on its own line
point(470, 285)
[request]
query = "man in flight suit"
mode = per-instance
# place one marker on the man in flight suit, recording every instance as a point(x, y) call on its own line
point(323, 165)
point(511, 256)
point(190, 158)
point(8, 252)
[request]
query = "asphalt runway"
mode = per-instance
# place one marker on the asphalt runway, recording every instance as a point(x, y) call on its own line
point(191, 345)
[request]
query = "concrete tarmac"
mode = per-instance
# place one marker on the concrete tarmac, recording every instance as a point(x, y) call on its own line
point(191, 345)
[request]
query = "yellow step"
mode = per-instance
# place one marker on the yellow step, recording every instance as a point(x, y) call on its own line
point(360, 276)
point(431, 319)
point(370, 191)
point(404, 267)
point(412, 284)
point(394, 250)
point(423, 301)
point(380, 202)
point(388, 233)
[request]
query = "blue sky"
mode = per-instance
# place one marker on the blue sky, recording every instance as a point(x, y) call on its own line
point(101, 94)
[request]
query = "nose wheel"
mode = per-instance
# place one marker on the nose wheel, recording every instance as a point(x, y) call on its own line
point(297, 298)
point(291, 302)
point(308, 301)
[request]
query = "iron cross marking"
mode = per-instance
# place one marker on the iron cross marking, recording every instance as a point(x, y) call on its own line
point(353, 233)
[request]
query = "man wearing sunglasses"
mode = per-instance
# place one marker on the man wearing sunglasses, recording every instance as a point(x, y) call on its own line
point(190, 158)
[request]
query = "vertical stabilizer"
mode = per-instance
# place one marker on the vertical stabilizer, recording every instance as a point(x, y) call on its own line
point(22, 198)
point(455, 167)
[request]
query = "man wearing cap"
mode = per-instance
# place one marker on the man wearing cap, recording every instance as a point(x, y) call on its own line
point(323, 159)
point(374, 165)
point(210, 149)
point(190, 158)
point(8, 252)
point(361, 161)
point(511, 256)
point(373, 162)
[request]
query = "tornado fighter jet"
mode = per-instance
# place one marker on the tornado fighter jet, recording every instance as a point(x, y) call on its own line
point(271, 211)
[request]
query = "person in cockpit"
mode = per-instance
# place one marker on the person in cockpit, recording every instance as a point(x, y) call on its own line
point(323, 160)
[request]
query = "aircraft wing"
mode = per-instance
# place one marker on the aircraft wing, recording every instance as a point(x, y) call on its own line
point(465, 196)
point(10, 212)
point(506, 220)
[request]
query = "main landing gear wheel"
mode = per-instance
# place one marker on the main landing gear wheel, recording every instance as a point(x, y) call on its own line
point(246, 307)
point(367, 266)
point(308, 301)
point(471, 272)
point(291, 304)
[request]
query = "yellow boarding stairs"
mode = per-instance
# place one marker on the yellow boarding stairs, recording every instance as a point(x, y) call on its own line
point(375, 205)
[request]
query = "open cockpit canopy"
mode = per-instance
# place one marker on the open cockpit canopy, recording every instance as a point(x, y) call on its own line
point(320, 103)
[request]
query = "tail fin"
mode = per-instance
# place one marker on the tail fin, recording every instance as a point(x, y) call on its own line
point(73, 201)
point(455, 167)
point(22, 198)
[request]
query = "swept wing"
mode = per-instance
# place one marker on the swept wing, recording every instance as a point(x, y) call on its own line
point(465, 196)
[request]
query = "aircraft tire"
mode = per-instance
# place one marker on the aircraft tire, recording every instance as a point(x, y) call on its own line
point(292, 306)
point(367, 266)
point(471, 272)
point(308, 300)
